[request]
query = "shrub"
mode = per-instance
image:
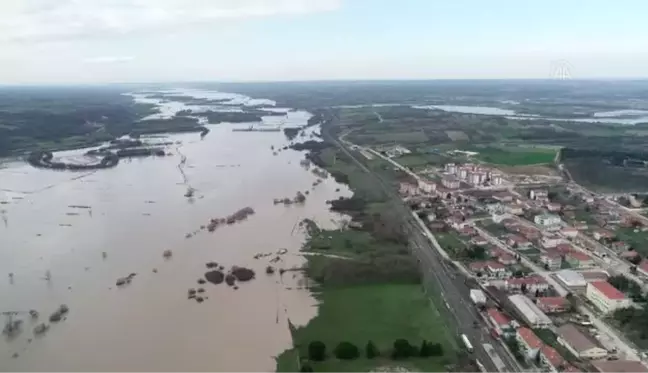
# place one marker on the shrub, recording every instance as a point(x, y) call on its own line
point(346, 351)
point(317, 351)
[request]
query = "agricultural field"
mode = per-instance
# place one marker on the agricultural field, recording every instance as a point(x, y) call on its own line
point(514, 156)
point(377, 313)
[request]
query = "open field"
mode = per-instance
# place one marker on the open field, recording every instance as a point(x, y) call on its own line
point(514, 156)
point(377, 313)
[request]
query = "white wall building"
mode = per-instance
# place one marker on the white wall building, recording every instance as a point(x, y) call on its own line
point(606, 297)
point(579, 344)
point(529, 312)
point(547, 220)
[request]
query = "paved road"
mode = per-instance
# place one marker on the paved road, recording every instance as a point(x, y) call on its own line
point(445, 279)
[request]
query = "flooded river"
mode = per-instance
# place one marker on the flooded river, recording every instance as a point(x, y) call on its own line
point(138, 210)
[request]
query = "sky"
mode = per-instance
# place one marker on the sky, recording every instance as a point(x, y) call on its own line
point(115, 41)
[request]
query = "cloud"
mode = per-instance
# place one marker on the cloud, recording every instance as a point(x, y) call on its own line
point(36, 20)
point(109, 59)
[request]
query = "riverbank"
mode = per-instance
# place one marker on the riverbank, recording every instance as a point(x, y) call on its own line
point(373, 294)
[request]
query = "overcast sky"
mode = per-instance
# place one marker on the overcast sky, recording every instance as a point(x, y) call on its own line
point(96, 41)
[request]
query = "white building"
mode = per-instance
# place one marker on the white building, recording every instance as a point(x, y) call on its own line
point(538, 194)
point(496, 179)
point(451, 168)
point(408, 189)
point(571, 279)
point(547, 220)
point(426, 186)
point(551, 259)
point(606, 297)
point(529, 312)
point(450, 182)
point(462, 173)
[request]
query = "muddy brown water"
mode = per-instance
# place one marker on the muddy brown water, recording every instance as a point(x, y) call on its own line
point(138, 210)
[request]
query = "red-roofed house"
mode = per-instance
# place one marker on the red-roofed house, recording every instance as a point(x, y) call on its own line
point(501, 322)
point(550, 358)
point(477, 266)
point(579, 259)
point(569, 232)
point(568, 368)
point(517, 241)
point(606, 297)
point(497, 270)
point(507, 259)
point(602, 233)
point(564, 248)
point(529, 342)
point(643, 267)
point(479, 241)
point(629, 254)
point(533, 283)
point(552, 304)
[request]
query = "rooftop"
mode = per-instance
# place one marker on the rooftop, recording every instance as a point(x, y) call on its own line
point(498, 317)
point(571, 278)
point(530, 311)
point(643, 265)
point(607, 289)
point(581, 257)
point(555, 359)
point(552, 301)
point(529, 280)
point(625, 366)
point(529, 337)
point(576, 339)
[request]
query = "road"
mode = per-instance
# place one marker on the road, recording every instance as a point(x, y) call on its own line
point(447, 281)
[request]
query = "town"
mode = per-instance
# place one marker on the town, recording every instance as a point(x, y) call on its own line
point(556, 271)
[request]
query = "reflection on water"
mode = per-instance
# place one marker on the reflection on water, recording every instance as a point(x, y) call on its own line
point(134, 213)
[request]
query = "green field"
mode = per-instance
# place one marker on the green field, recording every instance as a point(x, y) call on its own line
point(380, 313)
point(638, 240)
point(451, 243)
point(514, 156)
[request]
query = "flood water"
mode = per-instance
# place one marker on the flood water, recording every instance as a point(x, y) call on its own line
point(138, 210)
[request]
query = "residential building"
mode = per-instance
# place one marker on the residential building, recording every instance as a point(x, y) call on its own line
point(450, 182)
point(550, 358)
point(408, 189)
point(551, 259)
point(570, 232)
point(602, 233)
point(592, 275)
point(571, 279)
point(514, 209)
point(564, 248)
point(643, 267)
point(579, 259)
point(503, 197)
point(451, 168)
point(628, 255)
point(507, 259)
point(552, 304)
point(479, 241)
point(497, 270)
point(554, 207)
point(532, 284)
point(547, 220)
point(551, 240)
point(496, 179)
point(540, 194)
point(606, 297)
point(529, 312)
point(619, 246)
point(580, 344)
point(529, 343)
point(426, 186)
point(515, 240)
point(619, 366)
point(502, 324)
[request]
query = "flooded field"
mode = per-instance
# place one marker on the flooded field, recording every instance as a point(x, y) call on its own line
point(66, 237)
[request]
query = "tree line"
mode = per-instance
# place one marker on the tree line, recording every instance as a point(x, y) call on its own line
point(401, 349)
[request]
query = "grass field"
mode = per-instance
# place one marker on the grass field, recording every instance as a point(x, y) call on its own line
point(377, 313)
point(638, 240)
point(450, 242)
point(514, 155)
